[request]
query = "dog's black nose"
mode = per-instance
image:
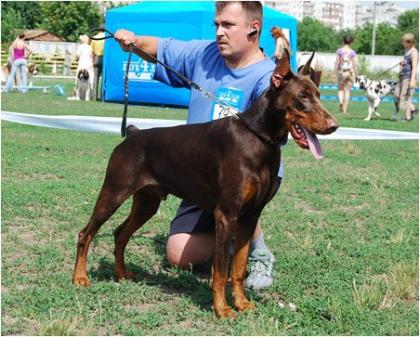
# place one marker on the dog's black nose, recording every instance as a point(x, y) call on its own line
point(332, 126)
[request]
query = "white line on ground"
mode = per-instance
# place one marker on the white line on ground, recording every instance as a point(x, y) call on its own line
point(113, 125)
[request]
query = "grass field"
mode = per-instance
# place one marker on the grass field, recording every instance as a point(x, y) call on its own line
point(344, 231)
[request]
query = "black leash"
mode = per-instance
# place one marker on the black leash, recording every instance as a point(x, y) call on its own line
point(384, 72)
point(381, 73)
point(226, 108)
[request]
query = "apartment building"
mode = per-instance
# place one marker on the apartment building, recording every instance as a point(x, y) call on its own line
point(341, 14)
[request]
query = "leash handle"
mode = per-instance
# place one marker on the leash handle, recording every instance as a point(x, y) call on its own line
point(93, 31)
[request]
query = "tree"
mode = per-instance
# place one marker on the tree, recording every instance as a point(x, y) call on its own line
point(387, 40)
point(69, 19)
point(409, 22)
point(11, 25)
point(18, 16)
point(313, 35)
point(363, 39)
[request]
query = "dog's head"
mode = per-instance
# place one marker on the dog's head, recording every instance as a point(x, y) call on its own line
point(83, 75)
point(361, 82)
point(297, 100)
point(32, 69)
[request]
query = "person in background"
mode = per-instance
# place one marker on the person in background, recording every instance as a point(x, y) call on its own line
point(231, 66)
point(84, 56)
point(19, 51)
point(67, 63)
point(98, 52)
point(281, 42)
point(346, 67)
point(407, 77)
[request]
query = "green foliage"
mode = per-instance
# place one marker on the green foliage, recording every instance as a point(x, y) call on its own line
point(29, 11)
point(409, 22)
point(11, 25)
point(387, 40)
point(362, 39)
point(314, 35)
point(69, 19)
point(18, 16)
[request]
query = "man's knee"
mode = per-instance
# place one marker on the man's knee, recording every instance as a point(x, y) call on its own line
point(184, 250)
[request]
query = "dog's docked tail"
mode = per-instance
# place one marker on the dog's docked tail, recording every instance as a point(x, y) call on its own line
point(131, 129)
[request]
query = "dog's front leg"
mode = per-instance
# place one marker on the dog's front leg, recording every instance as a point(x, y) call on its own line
point(87, 94)
point(370, 110)
point(224, 225)
point(243, 234)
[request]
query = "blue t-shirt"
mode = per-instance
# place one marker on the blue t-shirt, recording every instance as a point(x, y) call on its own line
point(200, 61)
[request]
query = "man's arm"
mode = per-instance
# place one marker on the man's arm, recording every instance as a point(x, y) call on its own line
point(355, 65)
point(28, 50)
point(147, 43)
point(414, 60)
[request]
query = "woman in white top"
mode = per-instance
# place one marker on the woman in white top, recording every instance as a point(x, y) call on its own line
point(84, 55)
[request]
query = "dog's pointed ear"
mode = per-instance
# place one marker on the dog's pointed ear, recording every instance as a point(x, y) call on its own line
point(306, 70)
point(281, 71)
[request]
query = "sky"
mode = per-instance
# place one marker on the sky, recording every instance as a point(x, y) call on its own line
point(404, 4)
point(409, 4)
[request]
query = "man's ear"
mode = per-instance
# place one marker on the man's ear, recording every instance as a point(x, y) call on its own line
point(306, 70)
point(281, 71)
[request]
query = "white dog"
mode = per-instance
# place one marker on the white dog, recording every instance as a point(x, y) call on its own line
point(374, 91)
point(83, 86)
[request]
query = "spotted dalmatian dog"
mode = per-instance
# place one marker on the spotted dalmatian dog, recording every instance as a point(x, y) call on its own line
point(374, 91)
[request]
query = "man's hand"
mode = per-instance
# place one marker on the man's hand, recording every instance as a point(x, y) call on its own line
point(412, 84)
point(125, 38)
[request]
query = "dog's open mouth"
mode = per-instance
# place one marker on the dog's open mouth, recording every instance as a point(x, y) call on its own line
point(307, 139)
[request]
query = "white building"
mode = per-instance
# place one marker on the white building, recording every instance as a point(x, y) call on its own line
point(340, 14)
point(385, 12)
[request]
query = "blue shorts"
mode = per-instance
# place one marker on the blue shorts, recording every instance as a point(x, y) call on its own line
point(191, 219)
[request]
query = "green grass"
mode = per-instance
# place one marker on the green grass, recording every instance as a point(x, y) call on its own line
point(344, 231)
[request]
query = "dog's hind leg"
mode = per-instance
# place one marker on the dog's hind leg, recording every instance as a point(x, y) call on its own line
point(376, 105)
point(243, 234)
point(145, 204)
point(107, 203)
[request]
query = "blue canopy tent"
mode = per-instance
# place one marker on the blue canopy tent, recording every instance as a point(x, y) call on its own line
point(183, 20)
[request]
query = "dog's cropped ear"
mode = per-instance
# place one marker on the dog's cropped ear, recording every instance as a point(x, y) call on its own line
point(278, 78)
point(306, 70)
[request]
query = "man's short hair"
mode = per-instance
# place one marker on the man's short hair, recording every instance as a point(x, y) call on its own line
point(253, 9)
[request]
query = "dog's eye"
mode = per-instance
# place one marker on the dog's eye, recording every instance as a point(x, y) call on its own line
point(304, 95)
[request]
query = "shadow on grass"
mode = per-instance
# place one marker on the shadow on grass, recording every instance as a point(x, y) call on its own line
point(171, 280)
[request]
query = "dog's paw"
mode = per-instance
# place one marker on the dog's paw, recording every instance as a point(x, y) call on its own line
point(225, 312)
point(244, 305)
point(367, 119)
point(125, 275)
point(377, 114)
point(82, 281)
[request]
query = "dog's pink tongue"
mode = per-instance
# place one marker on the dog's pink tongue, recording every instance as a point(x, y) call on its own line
point(314, 145)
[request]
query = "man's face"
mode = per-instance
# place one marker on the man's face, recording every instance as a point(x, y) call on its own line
point(232, 27)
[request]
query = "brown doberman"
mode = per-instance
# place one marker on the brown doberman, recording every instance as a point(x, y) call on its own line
point(228, 166)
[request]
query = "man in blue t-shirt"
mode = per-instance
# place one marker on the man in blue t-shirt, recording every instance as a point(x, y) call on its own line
point(236, 71)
